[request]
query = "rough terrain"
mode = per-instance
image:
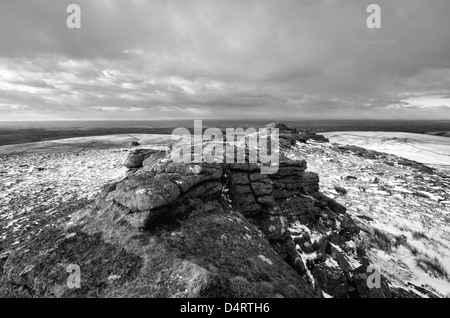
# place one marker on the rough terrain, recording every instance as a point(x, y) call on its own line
point(429, 149)
point(225, 230)
point(403, 205)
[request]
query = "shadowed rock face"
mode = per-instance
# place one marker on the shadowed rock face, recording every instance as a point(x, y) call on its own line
point(195, 230)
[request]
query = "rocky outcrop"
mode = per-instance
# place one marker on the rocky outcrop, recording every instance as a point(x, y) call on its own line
point(199, 230)
point(289, 136)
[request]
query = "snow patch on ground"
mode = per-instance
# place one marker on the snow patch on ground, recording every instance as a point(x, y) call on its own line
point(402, 209)
point(427, 149)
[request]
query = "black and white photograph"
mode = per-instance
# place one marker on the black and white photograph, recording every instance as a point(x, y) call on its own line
point(233, 155)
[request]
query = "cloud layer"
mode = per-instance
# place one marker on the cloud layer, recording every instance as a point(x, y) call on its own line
point(300, 59)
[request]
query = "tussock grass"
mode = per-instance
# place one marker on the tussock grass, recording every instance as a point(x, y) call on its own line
point(382, 239)
point(419, 235)
point(433, 266)
point(413, 249)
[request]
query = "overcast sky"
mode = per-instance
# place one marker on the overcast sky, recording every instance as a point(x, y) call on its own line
point(302, 59)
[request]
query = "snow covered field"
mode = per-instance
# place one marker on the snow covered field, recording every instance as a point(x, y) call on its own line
point(433, 151)
point(42, 183)
point(84, 143)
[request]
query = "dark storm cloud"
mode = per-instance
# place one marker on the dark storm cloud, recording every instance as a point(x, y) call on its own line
point(207, 59)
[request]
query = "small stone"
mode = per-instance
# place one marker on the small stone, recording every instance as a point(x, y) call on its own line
point(340, 190)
